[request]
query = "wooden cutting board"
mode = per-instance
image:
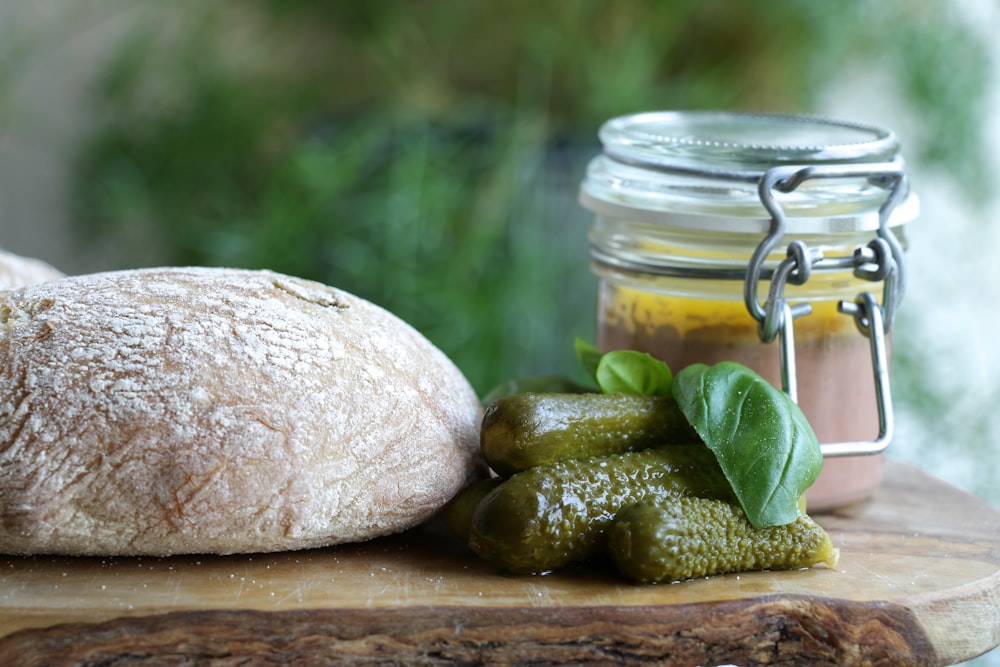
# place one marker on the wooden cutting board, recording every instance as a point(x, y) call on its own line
point(918, 584)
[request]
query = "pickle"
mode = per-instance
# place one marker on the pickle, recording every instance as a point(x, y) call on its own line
point(673, 539)
point(550, 516)
point(460, 510)
point(526, 430)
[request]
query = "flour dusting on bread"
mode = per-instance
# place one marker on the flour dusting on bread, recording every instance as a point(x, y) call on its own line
point(165, 411)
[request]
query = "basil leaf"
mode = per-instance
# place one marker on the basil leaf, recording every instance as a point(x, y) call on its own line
point(763, 442)
point(589, 356)
point(631, 372)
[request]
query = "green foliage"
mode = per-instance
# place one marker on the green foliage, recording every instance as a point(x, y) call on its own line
point(387, 211)
point(427, 158)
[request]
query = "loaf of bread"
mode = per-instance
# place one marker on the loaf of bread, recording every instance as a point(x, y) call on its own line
point(18, 271)
point(194, 410)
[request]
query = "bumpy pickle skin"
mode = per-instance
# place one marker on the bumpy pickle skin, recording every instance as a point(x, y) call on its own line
point(531, 429)
point(668, 540)
point(550, 516)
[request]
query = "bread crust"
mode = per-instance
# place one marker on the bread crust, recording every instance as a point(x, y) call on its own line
point(17, 271)
point(195, 410)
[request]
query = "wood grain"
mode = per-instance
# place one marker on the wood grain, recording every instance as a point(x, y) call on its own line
point(790, 631)
point(918, 584)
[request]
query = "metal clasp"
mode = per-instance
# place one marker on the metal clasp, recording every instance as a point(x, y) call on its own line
point(881, 260)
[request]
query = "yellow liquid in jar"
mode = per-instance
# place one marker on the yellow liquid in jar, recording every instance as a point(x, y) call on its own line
point(836, 389)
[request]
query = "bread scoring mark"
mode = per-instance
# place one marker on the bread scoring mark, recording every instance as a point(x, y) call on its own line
point(307, 292)
point(14, 314)
point(45, 331)
point(14, 418)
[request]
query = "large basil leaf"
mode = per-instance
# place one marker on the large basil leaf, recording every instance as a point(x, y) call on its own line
point(763, 442)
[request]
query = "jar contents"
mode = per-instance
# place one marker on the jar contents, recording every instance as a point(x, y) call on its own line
point(834, 368)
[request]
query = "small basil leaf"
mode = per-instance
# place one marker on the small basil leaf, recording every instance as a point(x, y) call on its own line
point(554, 384)
point(763, 442)
point(631, 372)
point(589, 356)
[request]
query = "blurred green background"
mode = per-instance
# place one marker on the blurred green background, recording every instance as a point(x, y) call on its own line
point(426, 155)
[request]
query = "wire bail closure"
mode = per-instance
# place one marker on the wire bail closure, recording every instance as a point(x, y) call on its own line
point(881, 260)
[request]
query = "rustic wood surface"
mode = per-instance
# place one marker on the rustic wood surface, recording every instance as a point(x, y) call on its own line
point(918, 584)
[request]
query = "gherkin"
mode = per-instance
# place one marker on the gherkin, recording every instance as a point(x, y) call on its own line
point(531, 429)
point(672, 539)
point(549, 516)
point(459, 513)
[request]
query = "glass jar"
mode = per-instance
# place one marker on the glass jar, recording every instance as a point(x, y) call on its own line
point(775, 241)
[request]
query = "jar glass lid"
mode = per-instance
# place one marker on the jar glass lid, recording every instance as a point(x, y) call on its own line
point(701, 169)
point(743, 141)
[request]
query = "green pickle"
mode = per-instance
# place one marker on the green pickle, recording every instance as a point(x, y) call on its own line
point(531, 429)
point(459, 512)
point(662, 540)
point(553, 515)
